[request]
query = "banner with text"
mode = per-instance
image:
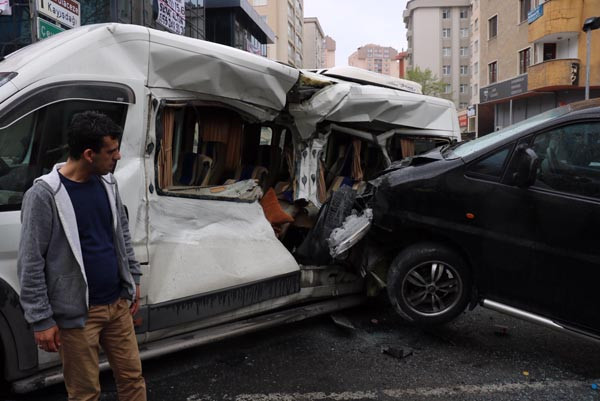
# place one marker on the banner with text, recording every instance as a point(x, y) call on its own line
point(171, 15)
point(64, 12)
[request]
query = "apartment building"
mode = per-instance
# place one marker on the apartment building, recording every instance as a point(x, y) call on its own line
point(375, 58)
point(531, 58)
point(314, 43)
point(286, 19)
point(439, 36)
point(329, 52)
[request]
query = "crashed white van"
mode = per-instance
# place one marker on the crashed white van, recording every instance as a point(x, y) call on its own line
point(208, 130)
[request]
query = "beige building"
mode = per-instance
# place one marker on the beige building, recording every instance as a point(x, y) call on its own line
point(286, 19)
point(439, 35)
point(375, 58)
point(329, 52)
point(532, 58)
point(313, 43)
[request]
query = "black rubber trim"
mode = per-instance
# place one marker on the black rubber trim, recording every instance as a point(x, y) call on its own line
point(194, 308)
point(61, 91)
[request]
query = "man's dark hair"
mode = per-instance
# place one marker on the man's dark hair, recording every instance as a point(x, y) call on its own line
point(87, 130)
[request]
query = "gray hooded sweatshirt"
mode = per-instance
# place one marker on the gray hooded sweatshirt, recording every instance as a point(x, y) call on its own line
point(50, 264)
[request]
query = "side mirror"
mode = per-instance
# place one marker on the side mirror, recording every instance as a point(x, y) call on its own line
point(527, 166)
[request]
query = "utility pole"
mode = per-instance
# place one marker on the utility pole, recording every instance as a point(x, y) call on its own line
point(589, 25)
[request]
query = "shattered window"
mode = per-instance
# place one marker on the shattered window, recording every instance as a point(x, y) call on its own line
point(212, 152)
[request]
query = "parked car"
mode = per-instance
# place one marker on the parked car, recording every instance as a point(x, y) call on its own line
point(227, 161)
point(508, 221)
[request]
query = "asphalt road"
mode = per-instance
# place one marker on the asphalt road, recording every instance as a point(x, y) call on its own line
point(481, 356)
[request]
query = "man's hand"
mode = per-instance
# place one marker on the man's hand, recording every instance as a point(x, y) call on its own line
point(135, 306)
point(48, 340)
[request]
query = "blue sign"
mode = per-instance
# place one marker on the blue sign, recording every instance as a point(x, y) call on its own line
point(535, 13)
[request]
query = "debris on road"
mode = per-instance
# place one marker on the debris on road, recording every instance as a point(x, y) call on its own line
point(342, 321)
point(399, 353)
point(500, 331)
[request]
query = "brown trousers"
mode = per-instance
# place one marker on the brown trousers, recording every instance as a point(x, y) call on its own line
point(109, 326)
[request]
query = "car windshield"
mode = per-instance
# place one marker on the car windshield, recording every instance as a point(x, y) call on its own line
point(463, 149)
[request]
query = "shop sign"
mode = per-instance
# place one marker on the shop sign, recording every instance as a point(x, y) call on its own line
point(64, 12)
point(5, 8)
point(171, 15)
point(46, 29)
point(463, 120)
point(471, 111)
point(502, 90)
point(535, 14)
point(575, 74)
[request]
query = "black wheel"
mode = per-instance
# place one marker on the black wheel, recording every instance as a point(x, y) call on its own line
point(429, 284)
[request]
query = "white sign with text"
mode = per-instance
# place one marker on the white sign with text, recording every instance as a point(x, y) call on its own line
point(65, 12)
point(171, 15)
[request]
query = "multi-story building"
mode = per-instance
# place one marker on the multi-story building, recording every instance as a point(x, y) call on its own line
point(230, 22)
point(313, 43)
point(329, 52)
point(375, 58)
point(286, 19)
point(531, 58)
point(438, 34)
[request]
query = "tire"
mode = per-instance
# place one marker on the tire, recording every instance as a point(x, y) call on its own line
point(429, 284)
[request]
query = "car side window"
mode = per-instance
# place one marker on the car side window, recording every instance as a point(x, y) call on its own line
point(570, 159)
point(492, 166)
point(31, 145)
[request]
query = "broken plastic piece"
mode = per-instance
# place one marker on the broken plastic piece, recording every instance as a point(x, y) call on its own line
point(354, 228)
point(594, 386)
point(399, 353)
point(342, 321)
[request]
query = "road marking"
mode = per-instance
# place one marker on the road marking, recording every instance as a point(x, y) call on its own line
point(399, 393)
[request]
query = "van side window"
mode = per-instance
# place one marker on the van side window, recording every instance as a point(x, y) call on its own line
point(212, 152)
point(31, 145)
point(570, 159)
point(491, 167)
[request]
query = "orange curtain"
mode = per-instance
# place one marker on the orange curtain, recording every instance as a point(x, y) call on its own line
point(165, 156)
point(408, 147)
point(357, 173)
point(234, 145)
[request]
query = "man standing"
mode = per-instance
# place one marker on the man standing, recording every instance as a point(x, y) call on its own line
point(76, 265)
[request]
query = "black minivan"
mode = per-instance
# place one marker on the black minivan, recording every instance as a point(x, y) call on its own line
point(510, 220)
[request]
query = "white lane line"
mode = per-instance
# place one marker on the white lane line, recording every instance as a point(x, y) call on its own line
point(399, 393)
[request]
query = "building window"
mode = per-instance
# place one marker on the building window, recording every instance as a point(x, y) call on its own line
point(475, 68)
point(448, 88)
point(476, 24)
point(445, 13)
point(524, 7)
point(476, 89)
point(464, 13)
point(446, 33)
point(446, 52)
point(464, 70)
point(493, 27)
point(549, 51)
point(463, 106)
point(463, 88)
point(524, 60)
point(493, 72)
point(464, 51)
point(446, 70)
point(475, 46)
point(464, 32)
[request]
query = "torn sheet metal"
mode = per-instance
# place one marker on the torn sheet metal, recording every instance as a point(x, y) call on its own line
point(358, 104)
point(244, 190)
point(199, 246)
point(308, 170)
point(354, 229)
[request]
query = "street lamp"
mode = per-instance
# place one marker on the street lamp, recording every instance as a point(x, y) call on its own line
point(588, 26)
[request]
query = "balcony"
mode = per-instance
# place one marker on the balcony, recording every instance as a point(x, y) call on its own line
point(554, 74)
point(558, 16)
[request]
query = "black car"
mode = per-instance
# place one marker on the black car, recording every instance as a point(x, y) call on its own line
point(510, 220)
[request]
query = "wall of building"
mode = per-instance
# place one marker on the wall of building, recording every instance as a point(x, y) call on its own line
point(329, 49)
point(375, 58)
point(313, 44)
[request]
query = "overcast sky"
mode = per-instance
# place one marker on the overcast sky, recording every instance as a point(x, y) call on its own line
point(354, 23)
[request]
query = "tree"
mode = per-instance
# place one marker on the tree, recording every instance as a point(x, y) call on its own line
point(432, 86)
